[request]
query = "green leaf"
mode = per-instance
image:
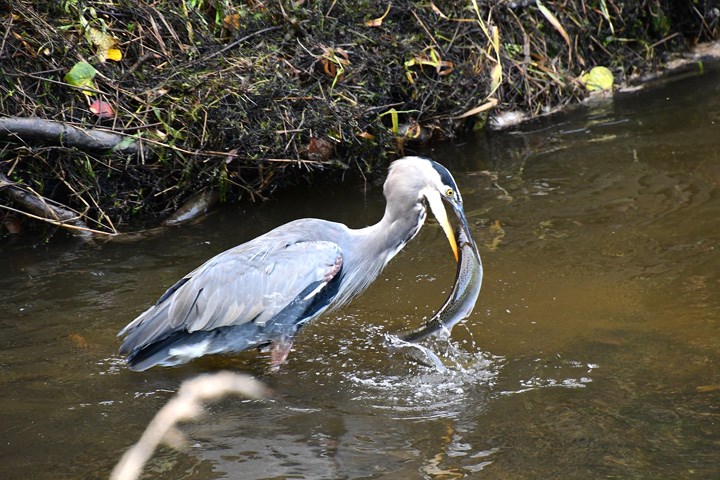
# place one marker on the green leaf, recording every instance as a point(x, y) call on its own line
point(123, 144)
point(81, 75)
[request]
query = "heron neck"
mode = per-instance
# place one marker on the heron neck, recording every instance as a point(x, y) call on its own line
point(375, 246)
point(396, 228)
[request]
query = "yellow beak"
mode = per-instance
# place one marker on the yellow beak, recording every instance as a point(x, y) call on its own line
point(438, 210)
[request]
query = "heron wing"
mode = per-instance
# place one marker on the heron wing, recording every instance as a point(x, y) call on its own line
point(249, 283)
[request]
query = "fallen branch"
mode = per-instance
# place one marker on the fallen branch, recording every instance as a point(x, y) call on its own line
point(187, 405)
point(33, 129)
point(40, 208)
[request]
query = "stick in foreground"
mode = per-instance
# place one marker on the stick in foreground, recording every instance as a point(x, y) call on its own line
point(186, 405)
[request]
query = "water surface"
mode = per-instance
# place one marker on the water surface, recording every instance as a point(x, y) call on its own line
point(594, 350)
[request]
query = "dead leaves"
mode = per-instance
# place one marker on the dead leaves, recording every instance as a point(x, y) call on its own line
point(378, 21)
point(82, 75)
point(106, 46)
point(320, 149)
point(102, 109)
point(333, 62)
point(492, 55)
point(12, 224)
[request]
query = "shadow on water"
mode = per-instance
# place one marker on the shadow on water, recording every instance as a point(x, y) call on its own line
point(594, 350)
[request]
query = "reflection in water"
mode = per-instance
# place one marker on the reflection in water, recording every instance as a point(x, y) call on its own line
point(594, 350)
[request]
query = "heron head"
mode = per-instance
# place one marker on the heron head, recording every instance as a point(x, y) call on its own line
point(428, 183)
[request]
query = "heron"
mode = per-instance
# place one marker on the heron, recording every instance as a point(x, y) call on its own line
point(261, 293)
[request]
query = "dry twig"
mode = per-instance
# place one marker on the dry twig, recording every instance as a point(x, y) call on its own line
point(185, 406)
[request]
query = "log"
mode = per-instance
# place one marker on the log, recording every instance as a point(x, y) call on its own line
point(38, 130)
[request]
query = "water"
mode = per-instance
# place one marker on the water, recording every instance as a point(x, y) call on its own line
point(594, 350)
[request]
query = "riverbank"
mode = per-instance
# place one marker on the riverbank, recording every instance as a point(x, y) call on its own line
point(247, 98)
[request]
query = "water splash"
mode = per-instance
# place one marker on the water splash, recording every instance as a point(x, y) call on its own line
point(426, 382)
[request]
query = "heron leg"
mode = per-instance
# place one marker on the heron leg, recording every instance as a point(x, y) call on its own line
point(279, 351)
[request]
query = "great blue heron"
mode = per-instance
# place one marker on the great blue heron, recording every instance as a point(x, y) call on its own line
point(262, 292)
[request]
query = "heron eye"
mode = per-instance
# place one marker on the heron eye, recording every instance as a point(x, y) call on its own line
point(450, 192)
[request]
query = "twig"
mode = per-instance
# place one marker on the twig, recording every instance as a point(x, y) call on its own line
point(59, 223)
point(427, 32)
point(660, 42)
point(186, 405)
point(239, 41)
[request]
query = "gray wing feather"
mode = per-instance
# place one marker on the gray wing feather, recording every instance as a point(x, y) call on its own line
point(250, 282)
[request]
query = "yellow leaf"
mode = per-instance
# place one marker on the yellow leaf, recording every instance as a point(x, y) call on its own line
point(232, 22)
point(78, 340)
point(114, 54)
point(104, 44)
point(498, 233)
point(598, 78)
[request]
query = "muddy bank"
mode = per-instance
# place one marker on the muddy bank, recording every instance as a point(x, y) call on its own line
point(245, 97)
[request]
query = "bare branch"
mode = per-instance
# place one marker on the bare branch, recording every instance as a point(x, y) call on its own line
point(35, 129)
point(186, 405)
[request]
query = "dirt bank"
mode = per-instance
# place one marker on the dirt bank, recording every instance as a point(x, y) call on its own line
point(247, 96)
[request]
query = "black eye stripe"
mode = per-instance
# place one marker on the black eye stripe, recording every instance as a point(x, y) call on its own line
point(445, 175)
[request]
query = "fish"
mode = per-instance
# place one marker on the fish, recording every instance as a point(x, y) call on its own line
point(459, 305)
point(416, 352)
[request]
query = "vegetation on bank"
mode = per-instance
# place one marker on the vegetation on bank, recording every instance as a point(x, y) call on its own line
point(245, 96)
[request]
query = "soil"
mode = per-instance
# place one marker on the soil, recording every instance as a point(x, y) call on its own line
point(244, 97)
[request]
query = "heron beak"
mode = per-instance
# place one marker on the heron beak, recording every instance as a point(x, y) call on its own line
point(465, 225)
point(438, 210)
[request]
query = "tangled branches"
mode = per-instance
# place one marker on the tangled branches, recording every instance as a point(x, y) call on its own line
point(244, 97)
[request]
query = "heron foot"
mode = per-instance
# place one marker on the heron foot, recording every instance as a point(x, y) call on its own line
point(279, 351)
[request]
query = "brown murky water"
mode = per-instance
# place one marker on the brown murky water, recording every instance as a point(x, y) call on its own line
point(594, 351)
